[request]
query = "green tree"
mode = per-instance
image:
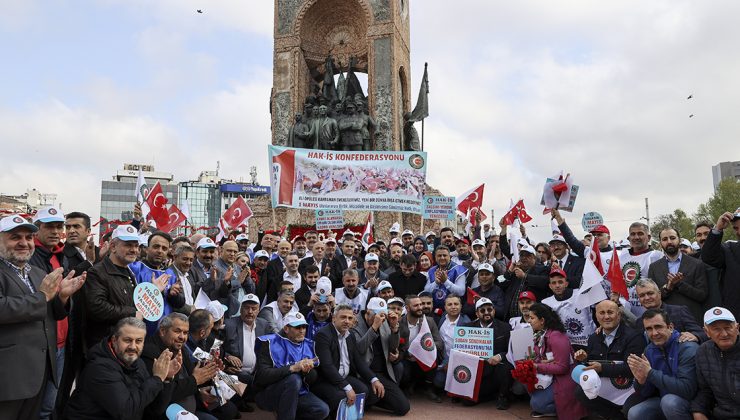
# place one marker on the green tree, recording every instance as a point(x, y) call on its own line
point(725, 198)
point(677, 220)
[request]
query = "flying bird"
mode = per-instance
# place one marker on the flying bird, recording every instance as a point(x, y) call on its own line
point(690, 96)
point(199, 11)
point(691, 116)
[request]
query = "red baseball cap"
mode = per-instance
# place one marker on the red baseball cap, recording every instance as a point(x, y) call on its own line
point(557, 271)
point(600, 229)
point(463, 240)
point(527, 295)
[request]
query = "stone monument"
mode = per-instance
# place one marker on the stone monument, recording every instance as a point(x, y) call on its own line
point(314, 38)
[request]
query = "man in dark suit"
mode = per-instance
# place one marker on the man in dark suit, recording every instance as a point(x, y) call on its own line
point(496, 370)
point(682, 320)
point(342, 262)
point(275, 270)
point(377, 338)
point(317, 258)
point(571, 264)
point(32, 303)
point(682, 280)
point(240, 359)
point(526, 275)
point(340, 363)
point(411, 322)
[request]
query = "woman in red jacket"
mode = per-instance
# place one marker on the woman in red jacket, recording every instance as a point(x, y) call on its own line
point(553, 356)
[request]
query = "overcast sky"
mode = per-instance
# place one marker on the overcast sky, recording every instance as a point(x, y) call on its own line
point(519, 90)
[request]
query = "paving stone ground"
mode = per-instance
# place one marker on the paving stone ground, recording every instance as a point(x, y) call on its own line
point(421, 408)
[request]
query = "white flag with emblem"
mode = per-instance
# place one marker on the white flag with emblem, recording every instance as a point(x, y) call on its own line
point(142, 190)
point(464, 373)
point(423, 348)
point(591, 292)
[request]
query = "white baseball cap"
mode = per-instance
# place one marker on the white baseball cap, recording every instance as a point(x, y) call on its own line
point(479, 242)
point(241, 237)
point(485, 266)
point(217, 309)
point(695, 245)
point(295, 319)
point(385, 284)
point(177, 412)
point(371, 257)
point(125, 233)
point(396, 241)
point(49, 215)
point(348, 233)
point(430, 233)
point(323, 286)
point(261, 254)
point(377, 305)
point(718, 314)
point(396, 300)
point(330, 240)
point(482, 301)
point(589, 380)
point(250, 298)
point(205, 243)
point(528, 248)
point(15, 221)
point(557, 238)
point(407, 232)
point(685, 242)
point(395, 228)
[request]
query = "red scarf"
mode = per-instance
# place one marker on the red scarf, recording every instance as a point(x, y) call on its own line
point(56, 261)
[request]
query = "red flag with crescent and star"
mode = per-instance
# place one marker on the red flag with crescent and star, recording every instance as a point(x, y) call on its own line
point(616, 276)
point(470, 203)
point(517, 212)
point(174, 219)
point(158, 205)
point(237, 213)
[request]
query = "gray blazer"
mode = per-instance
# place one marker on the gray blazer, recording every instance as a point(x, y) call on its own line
point(234, 343)
point(28, 336)
point(690, 292)
point(366, 336)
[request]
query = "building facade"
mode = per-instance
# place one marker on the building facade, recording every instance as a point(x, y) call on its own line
point(118, 196)
point(725, 170)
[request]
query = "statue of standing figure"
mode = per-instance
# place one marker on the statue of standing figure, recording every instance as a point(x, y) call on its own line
point(298, 136)
point(351, 129)
point(368, 124)
point(324, 130)
point(410, 135)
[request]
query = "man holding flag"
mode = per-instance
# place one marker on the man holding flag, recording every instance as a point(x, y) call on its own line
point(496, 373)
point(422, 346)
point(601, 245)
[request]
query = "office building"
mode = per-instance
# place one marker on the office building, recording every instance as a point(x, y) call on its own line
point(118, 196)
point(725, 170)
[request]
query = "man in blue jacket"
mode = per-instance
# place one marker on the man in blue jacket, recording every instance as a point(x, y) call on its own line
point(665, 375)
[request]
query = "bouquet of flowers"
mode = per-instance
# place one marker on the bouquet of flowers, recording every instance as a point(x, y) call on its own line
point(525, 372)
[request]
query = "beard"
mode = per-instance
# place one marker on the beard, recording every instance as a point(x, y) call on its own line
point(671, 250)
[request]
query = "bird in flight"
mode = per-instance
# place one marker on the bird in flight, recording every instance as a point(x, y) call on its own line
point(690, 96)
point(691, 116)
point(199, 11)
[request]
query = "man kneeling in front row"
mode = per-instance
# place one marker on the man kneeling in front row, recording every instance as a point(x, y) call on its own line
point(285, 370)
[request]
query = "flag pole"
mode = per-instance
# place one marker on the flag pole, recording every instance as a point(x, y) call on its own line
point(422, 134)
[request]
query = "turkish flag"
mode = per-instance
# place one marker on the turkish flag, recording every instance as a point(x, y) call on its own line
point(237, 213)
point(472, 295)
point(595, 256)
point(470, 202)
point(158, 205)
point(517, 212)
point(174, 219)
point(616, 277)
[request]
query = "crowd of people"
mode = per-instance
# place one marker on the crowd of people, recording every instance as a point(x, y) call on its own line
point(298, 325)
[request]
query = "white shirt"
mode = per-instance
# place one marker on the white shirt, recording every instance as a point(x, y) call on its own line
point(563, 260)
point(187, 289)
point(447, 330)
point(249, 359)
point(343, 354)
point(296, 280)
point(357, 303)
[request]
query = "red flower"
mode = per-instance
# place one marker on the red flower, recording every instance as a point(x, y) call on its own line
point(402, 340)
point(525, 372)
